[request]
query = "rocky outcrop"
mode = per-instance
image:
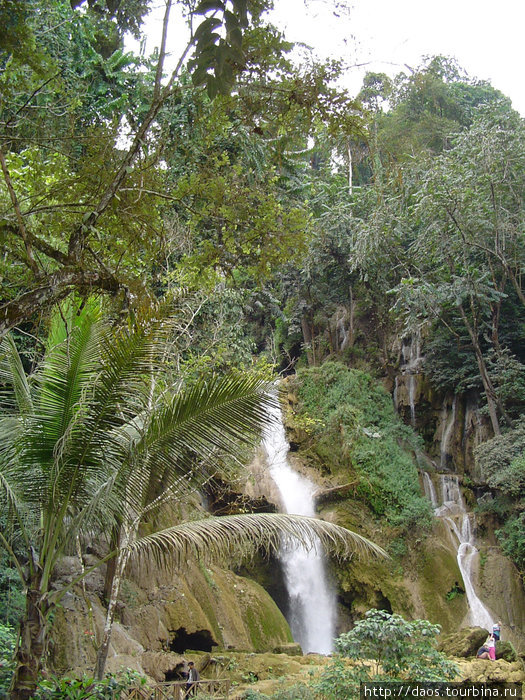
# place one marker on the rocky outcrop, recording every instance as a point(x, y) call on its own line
point(161, 615)
point(502, 588)
point(486, 671)
point(463, 643)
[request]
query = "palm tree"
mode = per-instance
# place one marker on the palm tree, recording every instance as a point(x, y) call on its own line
point(95, 440)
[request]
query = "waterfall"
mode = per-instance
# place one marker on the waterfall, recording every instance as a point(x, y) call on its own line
point(395, 394)
point(454, 513)
point(430, 491)
point(447, 432)
point(411, 359)
point(311, 613)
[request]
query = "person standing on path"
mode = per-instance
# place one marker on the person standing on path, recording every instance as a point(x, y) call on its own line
point(192, 680)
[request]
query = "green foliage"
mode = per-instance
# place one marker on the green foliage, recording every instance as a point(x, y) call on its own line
point(85, 688)
point(456, 589)
point(7, 663)
point(498, 506)
point(427, 106)
point(386, 647)
point(449, 362)
point(356, 421)
point(100, 395)
point(496, 455)
point(339, 681)
point(96, 439)
point(250, 677)
point(508, 376)
point(11, 593)
point(433, 232)
point(512, 539)
point(254, 695)
point(511, 479)
point(217, 57)
point(501, 461)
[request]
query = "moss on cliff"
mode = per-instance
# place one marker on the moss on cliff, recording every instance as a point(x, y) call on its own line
point(355, 434)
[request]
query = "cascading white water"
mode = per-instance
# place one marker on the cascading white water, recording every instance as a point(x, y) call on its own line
point(395, 394)
point(430, 491)
point(454, 513)
point(411, 360)
point(312, 612)
point(449, 422)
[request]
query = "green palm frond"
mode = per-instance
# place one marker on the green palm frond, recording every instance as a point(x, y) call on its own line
point(15, 393)
point(211, 416)
point(88, 384)
point(214, 538)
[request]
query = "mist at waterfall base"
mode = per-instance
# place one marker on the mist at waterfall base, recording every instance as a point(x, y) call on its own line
point(311, 608)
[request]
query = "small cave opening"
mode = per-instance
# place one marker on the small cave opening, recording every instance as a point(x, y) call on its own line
point(201, 640)
point(175, 674)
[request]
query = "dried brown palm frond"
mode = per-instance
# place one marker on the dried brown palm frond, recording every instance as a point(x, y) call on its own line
point(231, 537)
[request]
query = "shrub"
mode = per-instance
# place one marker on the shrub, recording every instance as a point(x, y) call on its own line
point(512, 539)
point(399, 649)
point(86, 688)
point(496, 455)
point(7, 664)
point(298, 691)
point(502, 463)
point(385, 647)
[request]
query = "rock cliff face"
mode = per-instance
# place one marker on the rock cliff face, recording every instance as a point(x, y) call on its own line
point(427, 582)
point(452, 426)
point(418, 591)
point(163, 614)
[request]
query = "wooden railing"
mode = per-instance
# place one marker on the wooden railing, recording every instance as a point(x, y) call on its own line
point(176, 690)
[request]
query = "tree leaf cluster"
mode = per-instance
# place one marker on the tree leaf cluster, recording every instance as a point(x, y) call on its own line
point(386, 648)
point(501, 461)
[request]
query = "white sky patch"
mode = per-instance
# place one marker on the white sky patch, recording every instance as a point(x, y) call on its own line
point(485, 37)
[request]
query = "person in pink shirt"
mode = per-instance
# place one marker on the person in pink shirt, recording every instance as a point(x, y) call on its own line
point(492, 648)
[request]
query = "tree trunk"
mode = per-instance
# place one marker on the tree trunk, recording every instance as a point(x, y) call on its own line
point(121, 560)
point(490, 393)
point(32, 645)
point(351, 321)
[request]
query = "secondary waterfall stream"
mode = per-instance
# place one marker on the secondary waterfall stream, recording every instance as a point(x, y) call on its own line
point(452, 510)
point(311, 612)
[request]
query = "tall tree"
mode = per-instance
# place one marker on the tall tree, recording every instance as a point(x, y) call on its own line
point(77, 204)
point(467, 249)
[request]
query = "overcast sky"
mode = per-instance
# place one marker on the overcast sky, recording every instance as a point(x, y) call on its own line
point(486, 37)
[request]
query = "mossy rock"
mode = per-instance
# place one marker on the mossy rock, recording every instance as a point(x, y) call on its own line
point(462, 643)
point(437, 575)
point(292, 649)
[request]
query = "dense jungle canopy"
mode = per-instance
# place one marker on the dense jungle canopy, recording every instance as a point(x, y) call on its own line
point(238, 191)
